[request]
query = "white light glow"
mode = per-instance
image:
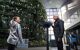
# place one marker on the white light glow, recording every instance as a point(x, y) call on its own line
point(52, 37)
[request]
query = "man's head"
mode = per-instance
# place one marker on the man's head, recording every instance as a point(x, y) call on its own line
point(55, 17)
point(17, 19)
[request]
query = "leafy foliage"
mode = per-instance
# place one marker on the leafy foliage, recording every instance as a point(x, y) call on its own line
point(31, 12)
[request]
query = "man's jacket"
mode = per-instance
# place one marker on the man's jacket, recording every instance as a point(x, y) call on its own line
point(58, 28)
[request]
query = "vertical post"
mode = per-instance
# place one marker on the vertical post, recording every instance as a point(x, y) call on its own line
point(47, 40)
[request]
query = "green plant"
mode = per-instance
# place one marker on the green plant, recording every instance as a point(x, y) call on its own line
point(31, 12)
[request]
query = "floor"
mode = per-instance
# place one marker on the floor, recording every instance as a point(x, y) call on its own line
point(38, 48)
point(35, 48)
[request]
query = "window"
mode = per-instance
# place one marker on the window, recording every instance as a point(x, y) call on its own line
point(50, 13)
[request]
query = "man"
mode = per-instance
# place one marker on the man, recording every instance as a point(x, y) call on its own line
point(58, 31)
point(15, 34)
point(73, 40)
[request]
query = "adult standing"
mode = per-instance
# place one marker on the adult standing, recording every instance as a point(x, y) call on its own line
point(15, 34)
point(73, 40)
point(58, 31)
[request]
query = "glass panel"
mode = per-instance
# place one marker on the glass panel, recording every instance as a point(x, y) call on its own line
point(51, 13)
point(47, 9)
point(51, 10)
point(50, 19)
point(55, 13)
point(51, 16)
point(54, 10)
point(51, 32)
point(48, 13)
point(52, 37)
point(51, 29)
